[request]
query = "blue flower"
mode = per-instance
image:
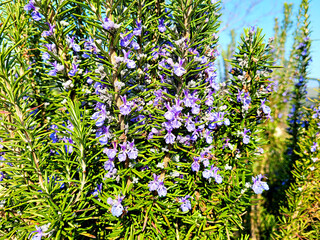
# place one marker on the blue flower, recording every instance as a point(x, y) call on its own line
point(170, 137)
point(30, 6)
point(38, 234)
point(73, 45)
point(246, 138)
point(126, 40)
point(314, 147)
point(117, 208)
point(178, 69)
point(162, 190)
point(162, 27)
point(97, 190)
point(195, 166)
point(100, 116)
point(36, 16)
point(153, 185)
point(74, 69)
point(130, 63)
point(212, 173)
point(137, 31)
point(186, 204)
point(125, 108)
point(103, 134)
point(157, 185)
point(48, 33)
point(258, 186)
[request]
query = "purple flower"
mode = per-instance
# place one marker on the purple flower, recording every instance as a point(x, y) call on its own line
point(212, 173)
point(103, 134)
point(137, 31)
point(130, 63)
point(48, 33)
point(100, 116)
point(162, 190)
point(178, 69)
point(208, 137)
point(135, 45)
point(169, 115)
point(125, 108)
point(128, 149)
point(314, 147)
point(97, 190)
point(195, 166)
point(132, 150)
point(123, 153)
point(209, 99)
point(157, 185)
point(39, 234)
point(57, 68)
point(154, 185)
point(162, 27)
point(109, 165)
point(126, 40)
point(258, 186)
point(246, 138)
point(266, 109)
point(36, 16)
point(30, 6)
point(111, 152)
point(74, 69)
point(108, 24)
point(189, 124)
point(73, 45)
point(170, 137)
point(45, 56)
point(117, 208)
point(244, 98)
point(69, 147)
point(186, 204)
point(51, 47)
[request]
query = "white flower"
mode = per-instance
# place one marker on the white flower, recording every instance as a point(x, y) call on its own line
point(68, 84)
point(135, 180)
point(314, 159)
point(247, 185)
point(222, 108)
point(64, 101)
point(176, 158)
point(175, 174)
point(2, 203)
point(231, 146)
point(227, 167)
point(312, 168)
point(64, 23)
point(119, 84)
point(300, 189)
point(59, 67)
point(243, 190)
point(160, 165)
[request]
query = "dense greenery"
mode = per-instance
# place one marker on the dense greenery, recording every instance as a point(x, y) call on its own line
point(115, 125)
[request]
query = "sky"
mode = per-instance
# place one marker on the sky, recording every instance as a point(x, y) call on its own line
point(238, 14)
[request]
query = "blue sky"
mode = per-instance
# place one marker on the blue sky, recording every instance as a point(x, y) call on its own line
point(239, 14)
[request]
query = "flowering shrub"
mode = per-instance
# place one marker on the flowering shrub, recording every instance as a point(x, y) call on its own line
point(114, 124)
